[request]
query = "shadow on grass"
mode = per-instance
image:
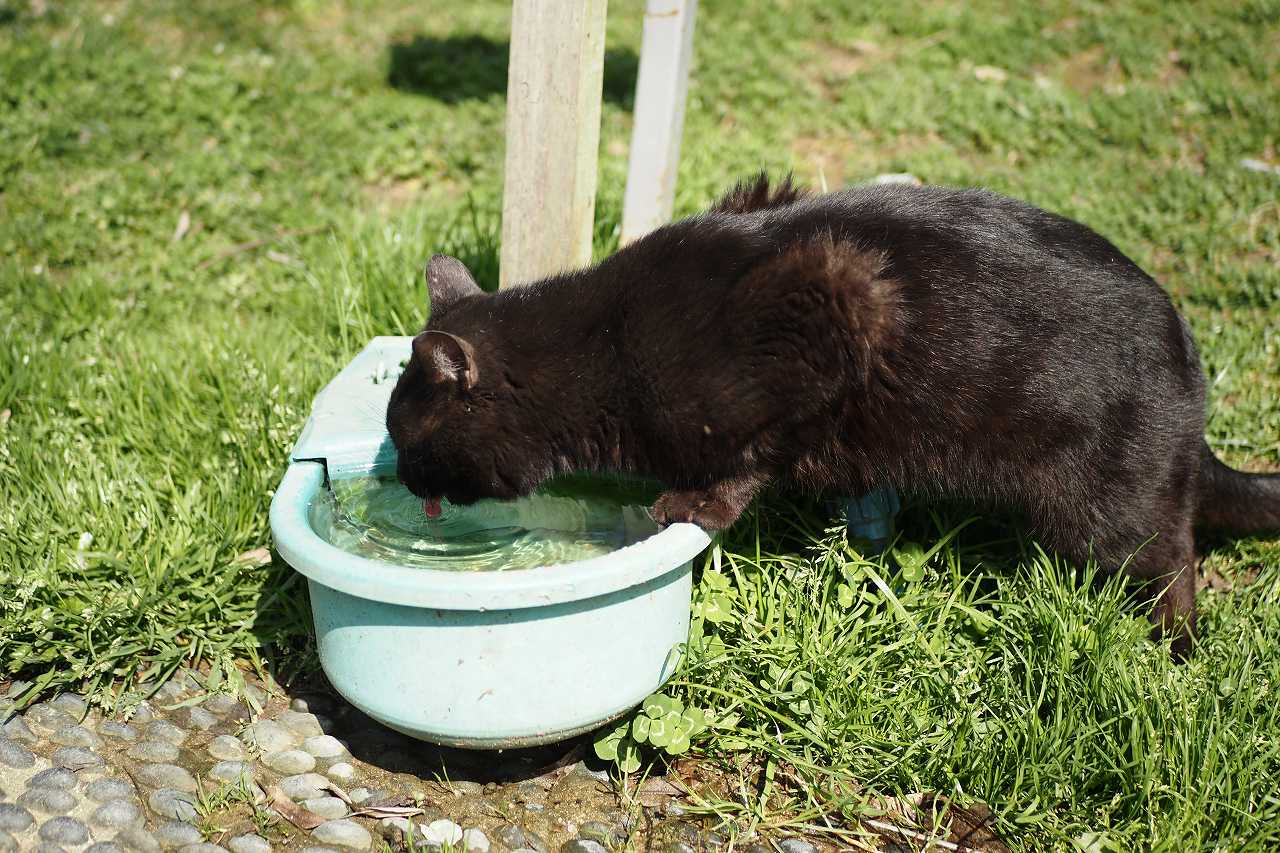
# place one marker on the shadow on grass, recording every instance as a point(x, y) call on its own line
point(473, 67)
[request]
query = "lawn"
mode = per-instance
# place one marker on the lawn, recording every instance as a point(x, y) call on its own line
point(207, 207)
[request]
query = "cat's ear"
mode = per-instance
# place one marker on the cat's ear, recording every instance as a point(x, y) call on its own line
point(447, 359)
point(448, 280)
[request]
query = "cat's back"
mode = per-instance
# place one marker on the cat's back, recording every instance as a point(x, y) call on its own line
point(935, 231)
point(974, 258)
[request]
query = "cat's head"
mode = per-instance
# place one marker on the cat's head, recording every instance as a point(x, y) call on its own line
point(455, 426)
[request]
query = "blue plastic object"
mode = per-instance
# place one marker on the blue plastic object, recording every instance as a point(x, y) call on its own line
point(474, 659)
point(871, 517)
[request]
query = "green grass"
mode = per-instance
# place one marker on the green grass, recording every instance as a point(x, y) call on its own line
point(206, 208)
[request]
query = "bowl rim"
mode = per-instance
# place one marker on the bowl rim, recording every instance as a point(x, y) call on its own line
point(543, 586)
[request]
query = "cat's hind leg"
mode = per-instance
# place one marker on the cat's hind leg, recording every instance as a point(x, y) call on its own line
point(1168, 565)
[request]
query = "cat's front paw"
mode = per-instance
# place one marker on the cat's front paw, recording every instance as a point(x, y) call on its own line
point(700, 508)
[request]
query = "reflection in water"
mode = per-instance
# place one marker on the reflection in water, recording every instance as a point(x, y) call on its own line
point(378, 518)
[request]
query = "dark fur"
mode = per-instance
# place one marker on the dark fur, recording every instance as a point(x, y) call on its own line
point(951, 342)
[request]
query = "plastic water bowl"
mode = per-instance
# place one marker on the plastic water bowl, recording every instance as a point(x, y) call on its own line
point(473, 659)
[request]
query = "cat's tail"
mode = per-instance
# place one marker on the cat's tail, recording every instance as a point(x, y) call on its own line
point(1236, 501)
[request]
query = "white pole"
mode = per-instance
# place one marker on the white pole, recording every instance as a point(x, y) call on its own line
point(663, 83)
point(554, 85)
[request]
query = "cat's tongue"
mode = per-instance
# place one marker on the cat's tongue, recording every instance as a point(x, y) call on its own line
point(431, 506)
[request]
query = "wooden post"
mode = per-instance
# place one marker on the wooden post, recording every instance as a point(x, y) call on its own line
point(554, 85)
point(663, 82)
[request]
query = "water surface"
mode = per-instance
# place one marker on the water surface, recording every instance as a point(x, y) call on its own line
point(573, 519)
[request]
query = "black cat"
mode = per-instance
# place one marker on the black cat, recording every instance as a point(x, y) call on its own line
point(949, 342)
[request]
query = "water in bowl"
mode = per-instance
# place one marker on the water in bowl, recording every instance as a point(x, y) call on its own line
point(573, 519)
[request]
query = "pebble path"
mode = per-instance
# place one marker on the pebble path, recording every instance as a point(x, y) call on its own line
point(189, 771)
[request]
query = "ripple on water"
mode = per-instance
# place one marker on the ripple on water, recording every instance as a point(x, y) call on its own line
point(378, 518)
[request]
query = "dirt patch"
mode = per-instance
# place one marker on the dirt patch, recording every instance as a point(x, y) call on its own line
point(838, 63)
point(1089, 71)
point(1065, 25)
point(1174, 70)
point(859, 155)
point(845, 61)
point(392, 196)
point(822, 160)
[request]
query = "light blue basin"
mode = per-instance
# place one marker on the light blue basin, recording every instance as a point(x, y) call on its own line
point(474, 659)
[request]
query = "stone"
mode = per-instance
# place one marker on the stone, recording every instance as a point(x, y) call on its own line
point(318, 850)
point(173, 833)
point(64, 830)
point(395, 828)
point(254, 694)
point(329, 808)
point(530, 790)
point(202, 847)
point(226, 748)
point(170, 691)
point(598, 830)
point(72, 703)
point(17, 729)
point(535, 807)
point(14, 818)
point(166, 731)
point(155, 751)
point(46, 717)
point(676, 832)
point(315, 703)
point(290, 761)
point(47, 847)
point(117, 814)
point(144, 713)
point(15, 755)
point(167, 776)
point(358, 795)
point(48, 800)
point(8, 844)
point(269, 736)
point(188, 679)
point(464, 788)
point(324, 746)
point(582, 845)
point(438, 833)
point(221, 703)
point(16, 688)
point(344, 833)
point(475, 841)
point(796, 845)
point(201, 719)
point(170, 803)
point(75, 757)
point(117, 730)
point(104, 847)
point(107, 789)
point(341, 772)
point(300, 723)
point(232, 771)
point(304, 786)
point(76, 736)
point(54, 777)
point(138, 840)
point(515, 838)
point(249, 844)
point(675, 847)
